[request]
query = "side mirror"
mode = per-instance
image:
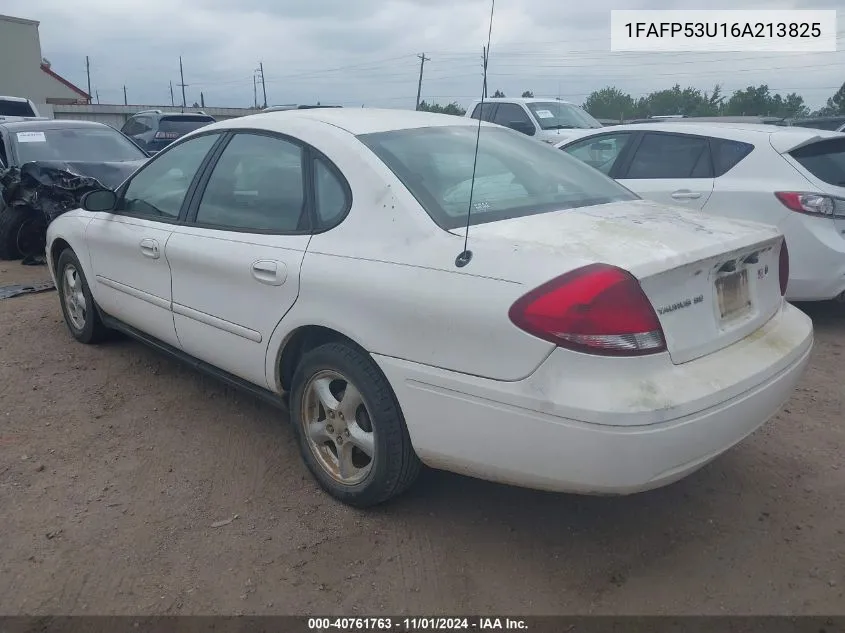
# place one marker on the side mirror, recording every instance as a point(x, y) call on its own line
point(526, 127)
point(104, 200)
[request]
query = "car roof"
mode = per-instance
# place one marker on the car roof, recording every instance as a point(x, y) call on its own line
point(522, 100)
point(50, 124)
point(15, 99)
point(353, 120)
point(726, 130)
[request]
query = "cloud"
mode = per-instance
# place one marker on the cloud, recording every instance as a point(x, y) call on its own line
point(365, 52)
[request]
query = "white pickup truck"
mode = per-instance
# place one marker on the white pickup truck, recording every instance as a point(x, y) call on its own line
point(17, 107)
point(549, 120)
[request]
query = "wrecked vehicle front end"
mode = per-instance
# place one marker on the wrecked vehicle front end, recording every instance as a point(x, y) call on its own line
point(33, 195)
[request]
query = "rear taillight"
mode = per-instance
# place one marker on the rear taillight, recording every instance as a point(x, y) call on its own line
point(812, 203)
point(166, 135)
point(597, 309)
point(783, 268)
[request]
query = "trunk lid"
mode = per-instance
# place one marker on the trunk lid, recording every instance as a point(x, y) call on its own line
point(711, 280)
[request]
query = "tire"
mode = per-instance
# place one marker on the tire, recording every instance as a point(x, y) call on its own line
point(325, 374)
point(78, 306)
point(12, 221)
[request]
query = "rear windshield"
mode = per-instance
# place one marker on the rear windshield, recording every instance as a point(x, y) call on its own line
point(183, 124)
point(825, 160)
point(96, 144)
point(516, 176)
point(15, 108)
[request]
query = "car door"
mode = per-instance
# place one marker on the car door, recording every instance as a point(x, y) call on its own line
point(671, 168)
point(127, 246)
point(236, 262)
point(602, 151)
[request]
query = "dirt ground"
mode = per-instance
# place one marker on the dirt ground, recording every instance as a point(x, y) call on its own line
point(117, 463)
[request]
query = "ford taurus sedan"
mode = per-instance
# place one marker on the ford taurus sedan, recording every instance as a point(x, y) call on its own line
point(584, 341)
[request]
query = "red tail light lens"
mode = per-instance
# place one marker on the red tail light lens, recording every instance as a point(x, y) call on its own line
point(811, 203)
point(783, 268)
point(597, 309)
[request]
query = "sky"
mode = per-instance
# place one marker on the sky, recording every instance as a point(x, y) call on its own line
point(365, 52)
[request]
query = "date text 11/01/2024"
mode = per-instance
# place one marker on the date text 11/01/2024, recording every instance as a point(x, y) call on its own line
point(772, 30)
point(412, 624)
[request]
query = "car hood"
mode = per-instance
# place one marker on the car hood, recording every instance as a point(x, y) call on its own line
point(110, 174)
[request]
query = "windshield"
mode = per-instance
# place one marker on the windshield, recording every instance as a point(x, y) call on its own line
point(183, 124)
point(824, 159)
point(515, 177)
point(556, 115)
point(94, 144)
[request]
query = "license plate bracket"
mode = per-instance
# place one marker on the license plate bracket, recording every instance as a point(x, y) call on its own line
point(733, 295)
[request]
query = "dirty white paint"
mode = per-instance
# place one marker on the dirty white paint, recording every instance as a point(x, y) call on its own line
point(479, 395)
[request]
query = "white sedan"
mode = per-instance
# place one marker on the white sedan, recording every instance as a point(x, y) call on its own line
point(589, 341)
point(792, 177)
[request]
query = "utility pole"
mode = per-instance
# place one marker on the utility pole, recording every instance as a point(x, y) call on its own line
point(97, 92)
point(172, 101)
point(484, 66)
point(263, 85)
point(182, 78)
point(88, 72)
point(423, 60)
point(125, 102)
point(254, 92)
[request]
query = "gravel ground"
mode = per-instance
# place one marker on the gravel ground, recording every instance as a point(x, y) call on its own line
point(118, 466)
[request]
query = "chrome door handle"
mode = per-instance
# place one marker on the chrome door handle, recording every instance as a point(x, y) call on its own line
point(685, 194)
point(269, 272)
point(149, 248)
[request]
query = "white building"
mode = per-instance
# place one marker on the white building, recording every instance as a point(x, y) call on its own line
point(25, 73)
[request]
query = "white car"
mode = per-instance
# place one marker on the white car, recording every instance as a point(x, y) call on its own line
point(592, 342)
point(549, 120)
point(791, 177)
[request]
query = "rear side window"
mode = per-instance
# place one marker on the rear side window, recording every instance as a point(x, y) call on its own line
point(727, 154)
point(825, 160)
point(15, 108)
point(483, 110)
point(671, 156)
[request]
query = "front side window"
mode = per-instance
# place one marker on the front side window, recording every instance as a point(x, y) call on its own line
point(670, 156)
point(600, 152)
point(257, 185)
point(83, 144)
point(159, 189)
point(515, 175)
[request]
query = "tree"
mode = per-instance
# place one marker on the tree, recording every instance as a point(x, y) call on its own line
point(753, 101)
point(758, 101)
point(688, 101)
point(498, 94)
point(527, 95)
point(836, 104)
point(451, 108)
point(610, 103)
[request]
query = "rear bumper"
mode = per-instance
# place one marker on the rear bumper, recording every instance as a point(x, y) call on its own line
point(640, 426)
point(816, 258)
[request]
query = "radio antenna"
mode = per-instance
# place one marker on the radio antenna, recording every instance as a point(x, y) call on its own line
point(465, 256)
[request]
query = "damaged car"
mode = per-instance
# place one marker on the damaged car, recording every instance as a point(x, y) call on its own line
point(45, 168)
